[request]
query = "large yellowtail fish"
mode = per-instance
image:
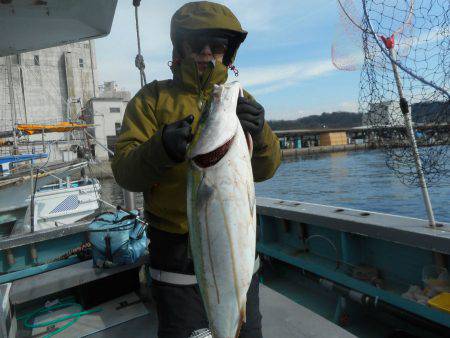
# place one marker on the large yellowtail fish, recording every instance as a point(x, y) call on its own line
point(222, 212)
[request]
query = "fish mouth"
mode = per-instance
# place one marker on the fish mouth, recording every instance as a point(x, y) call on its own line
point(209, 159)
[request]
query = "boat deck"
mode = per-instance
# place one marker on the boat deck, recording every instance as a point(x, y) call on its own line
point(318, 274)
point(282, 318)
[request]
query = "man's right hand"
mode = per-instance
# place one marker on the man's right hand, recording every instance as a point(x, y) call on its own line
point(176, 136)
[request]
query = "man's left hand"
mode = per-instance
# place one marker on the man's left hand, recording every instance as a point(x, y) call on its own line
point(251, 115)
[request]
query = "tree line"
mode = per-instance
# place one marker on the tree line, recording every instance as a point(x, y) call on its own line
point(340, 119)
point(422, 112)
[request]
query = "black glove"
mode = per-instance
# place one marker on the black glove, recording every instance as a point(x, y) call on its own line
point(251, 115)
point(176, 136)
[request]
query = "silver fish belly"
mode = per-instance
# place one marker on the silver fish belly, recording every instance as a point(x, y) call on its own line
point(222, 213)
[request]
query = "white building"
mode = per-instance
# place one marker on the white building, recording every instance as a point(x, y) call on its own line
point(384, 114)
point(106, 113)
point(45, 87)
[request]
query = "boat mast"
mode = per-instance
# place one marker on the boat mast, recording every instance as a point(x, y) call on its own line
point(12, 102)
point(22, 87)
point(32, 196)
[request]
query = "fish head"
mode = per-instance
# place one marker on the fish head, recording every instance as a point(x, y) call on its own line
point(217, 127)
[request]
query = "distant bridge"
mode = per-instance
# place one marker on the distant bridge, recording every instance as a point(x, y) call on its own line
point(307, 138)
point(361, 129)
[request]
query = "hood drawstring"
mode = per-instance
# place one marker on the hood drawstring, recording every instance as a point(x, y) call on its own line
point(177, 61)
point(234, 69)
point(173, 63)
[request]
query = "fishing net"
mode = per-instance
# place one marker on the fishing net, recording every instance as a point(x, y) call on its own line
point(420, 30)
point(422, 47)
point(346, 49)
point(404, 84)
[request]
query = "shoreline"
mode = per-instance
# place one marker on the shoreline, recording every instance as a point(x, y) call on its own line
point(296, 152)
point(102, 169)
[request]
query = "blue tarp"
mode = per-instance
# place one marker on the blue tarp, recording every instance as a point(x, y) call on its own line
point(21, 158)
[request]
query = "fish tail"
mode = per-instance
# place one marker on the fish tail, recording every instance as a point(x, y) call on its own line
point(242, 320)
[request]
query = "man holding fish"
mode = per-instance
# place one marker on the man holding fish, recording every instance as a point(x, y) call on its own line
point(180, 148)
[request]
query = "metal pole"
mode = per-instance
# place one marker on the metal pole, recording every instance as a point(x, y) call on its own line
point(43, 141)
point(32, 197)
point(12, 103)
point(438, 257)
point(409, 129)
point(92, 69)
point(128, 196)
point(22, 86)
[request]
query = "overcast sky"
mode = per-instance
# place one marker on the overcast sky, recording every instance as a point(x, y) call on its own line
point(285, 62)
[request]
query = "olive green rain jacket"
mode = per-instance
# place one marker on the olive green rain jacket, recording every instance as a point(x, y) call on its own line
point(141, 163)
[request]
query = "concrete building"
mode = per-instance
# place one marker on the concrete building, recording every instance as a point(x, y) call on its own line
point(383, 114)
point(110, 89)
point(106, 113)
point(47, 86)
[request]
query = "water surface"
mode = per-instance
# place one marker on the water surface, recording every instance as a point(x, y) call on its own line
point(354, 179)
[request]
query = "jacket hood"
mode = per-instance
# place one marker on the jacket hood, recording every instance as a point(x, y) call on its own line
point(195, 17)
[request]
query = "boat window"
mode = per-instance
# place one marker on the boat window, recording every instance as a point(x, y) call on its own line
point(114, 110)
point(81, 63)
point(36, 60)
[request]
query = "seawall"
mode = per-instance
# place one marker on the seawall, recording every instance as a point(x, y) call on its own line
point(102, 169)
point(324, 149)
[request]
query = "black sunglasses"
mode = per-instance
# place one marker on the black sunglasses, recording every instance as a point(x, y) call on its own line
point(217, 45)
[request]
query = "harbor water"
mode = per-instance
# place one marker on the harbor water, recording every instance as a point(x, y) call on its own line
point(354, 179)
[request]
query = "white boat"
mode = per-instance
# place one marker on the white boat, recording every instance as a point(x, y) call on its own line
point(60, 204)
point(15, 188)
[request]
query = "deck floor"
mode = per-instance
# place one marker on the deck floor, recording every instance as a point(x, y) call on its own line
point(282, 318)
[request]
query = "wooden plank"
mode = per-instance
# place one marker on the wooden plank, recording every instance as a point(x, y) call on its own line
point(29, 288)
point(43, 235)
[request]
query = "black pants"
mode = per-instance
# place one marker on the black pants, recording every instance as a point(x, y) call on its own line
point(180, 308)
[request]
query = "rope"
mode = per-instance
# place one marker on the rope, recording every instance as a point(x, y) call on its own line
point(28, 318)
point(98, 143)
point(75, 251)
point(139, 60)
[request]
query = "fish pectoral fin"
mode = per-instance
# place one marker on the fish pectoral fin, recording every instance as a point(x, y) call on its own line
point(249, 140)
point(251, 201)
point(244, 315)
